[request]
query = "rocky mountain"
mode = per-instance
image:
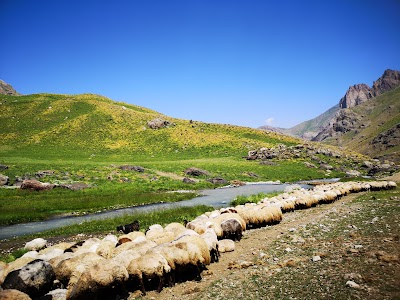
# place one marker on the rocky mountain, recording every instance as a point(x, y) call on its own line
point(346, 119)
point(335, 121)
point(360, 93)
point(6, 89)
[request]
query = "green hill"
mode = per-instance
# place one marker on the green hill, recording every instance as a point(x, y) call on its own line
point(47, 126)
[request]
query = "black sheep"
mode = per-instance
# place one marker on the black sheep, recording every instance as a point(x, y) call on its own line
point(129, 227)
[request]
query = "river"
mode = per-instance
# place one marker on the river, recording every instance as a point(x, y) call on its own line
point(216, 198)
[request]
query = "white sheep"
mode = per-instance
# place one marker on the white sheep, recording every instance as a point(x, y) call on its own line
point(107, 276)
point(149, 266)
point(36, 244)
point(226, 246)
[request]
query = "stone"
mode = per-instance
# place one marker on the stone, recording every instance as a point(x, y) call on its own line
point(77, 186)
point(353, 173)
point(352, 284)
point(4, 180)
point(7, 89)
point(188, 180)
point(44, 173)
point(316, 258)
point(34, 279)
point(192, 171)
point(35, 185)
point(132, 168)
point(158, 123)
point(356, 95)
point(217, 180)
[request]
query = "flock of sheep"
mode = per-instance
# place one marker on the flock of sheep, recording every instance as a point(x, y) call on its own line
point(113, 267)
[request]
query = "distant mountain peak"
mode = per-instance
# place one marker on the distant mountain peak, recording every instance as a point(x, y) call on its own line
point(7, 89)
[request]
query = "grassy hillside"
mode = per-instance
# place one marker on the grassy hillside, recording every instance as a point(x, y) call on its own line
point(376, 117)
point(46, 126)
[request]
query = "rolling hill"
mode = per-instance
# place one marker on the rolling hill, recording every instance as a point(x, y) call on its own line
point(91, 126)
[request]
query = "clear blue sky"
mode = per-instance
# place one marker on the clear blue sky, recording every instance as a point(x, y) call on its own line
point(237, 62)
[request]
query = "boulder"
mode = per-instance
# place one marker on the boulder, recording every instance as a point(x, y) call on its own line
point(77, 186)
point(132, 168)
point(35, 185)
point(158, 123)
point(3, 180)
point(353, 173)
point(196, 172)
point(35, 279)
point(44, 173)
point(188, 180)
point(217, 180)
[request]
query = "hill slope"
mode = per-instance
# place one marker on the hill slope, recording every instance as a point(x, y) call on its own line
point(371, 128)
point(81, 126)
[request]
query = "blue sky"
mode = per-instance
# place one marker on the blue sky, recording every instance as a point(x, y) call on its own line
point(239, 62)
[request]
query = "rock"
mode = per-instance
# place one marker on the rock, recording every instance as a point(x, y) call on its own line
point(188, 180)
point(217, 180)
point(132, 168)
point(386, 257)
point(44, 173)
point(4, 180)
point(12, 294)
point(353, 173)
point(356, 95)
point(367, 164)
point(192, 171)
point(316, 258)
point(35, 279)
point(310, 165)
point(35, 185)
point(77, 186)
point(158, 123)
point(7, 89)
point(387, 82)
point(326, 166)
point(352, 284)
point(36, 244)
point(288, 250)
point(298, 239)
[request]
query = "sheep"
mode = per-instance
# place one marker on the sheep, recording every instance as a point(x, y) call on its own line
point(199, 254)
point(68, 270)
point(162, 237)
point(124, 258)
point(232, 229)
point(230, 215)
point(148, 266)
point(105, 276)
point(211, 239)
point(140, 247)
point(135, 226)
point(174, 227)
point(226, 246)
point(106, 248)
point(36, 244)
point(12, 294)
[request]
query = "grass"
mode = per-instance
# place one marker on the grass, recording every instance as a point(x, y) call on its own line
point(240, 200)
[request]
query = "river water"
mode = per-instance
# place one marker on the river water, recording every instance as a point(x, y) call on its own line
point(216, 198)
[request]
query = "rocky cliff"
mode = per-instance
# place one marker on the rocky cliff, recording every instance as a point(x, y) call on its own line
point(346, 119)
point(6, 89)
point(360, 93)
